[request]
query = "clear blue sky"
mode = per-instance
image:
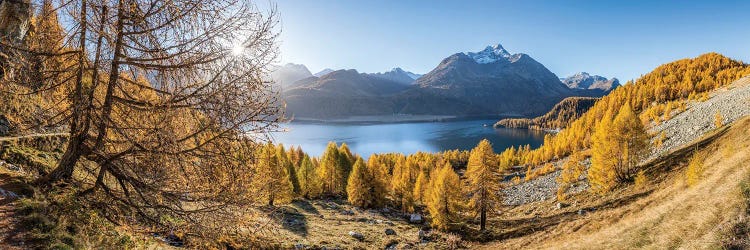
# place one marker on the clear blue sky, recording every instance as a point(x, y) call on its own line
point(623, 39)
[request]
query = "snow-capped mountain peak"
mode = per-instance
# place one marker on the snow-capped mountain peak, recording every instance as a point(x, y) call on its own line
point(490, 54)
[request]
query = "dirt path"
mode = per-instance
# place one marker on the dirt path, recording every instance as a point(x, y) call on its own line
point(10, 235)
point(13, 138)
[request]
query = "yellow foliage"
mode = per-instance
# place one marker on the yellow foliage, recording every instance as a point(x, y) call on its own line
point(695, 168)
point(718, 120)
point(675, 81)
point(359, 185)
point(640, 179)
point(444, 198)
point(483, 180)
point(618, 148)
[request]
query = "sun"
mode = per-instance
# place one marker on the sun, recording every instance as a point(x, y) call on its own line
point(238, 50)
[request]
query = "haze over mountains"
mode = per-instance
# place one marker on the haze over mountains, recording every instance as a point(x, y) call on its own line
point(488, 82)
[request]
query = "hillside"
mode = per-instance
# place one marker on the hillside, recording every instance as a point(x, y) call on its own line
point(666, 212)
point(562, 114)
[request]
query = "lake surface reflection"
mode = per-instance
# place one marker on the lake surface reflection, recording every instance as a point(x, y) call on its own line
point(407, 138)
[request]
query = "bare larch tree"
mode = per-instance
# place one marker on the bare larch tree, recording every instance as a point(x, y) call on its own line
point(163, 99)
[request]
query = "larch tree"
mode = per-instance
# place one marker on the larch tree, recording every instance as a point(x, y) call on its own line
point(288, 166)
point(601, 174)
point(618, 147)
point(309, 181)
point(330, 171)
point(444, 198)
point(380, 180)
point(346, 161)
point(360, 185)
point(403, 183)
point(484, 181)
point(421, 185)
point(157, 96)
point(272, 181)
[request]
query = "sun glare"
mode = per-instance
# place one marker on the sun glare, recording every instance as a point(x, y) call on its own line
point(238, 50)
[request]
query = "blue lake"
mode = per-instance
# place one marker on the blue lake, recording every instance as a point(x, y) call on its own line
point(407, 138)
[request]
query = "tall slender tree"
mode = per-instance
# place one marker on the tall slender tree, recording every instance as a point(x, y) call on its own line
point(444, 197)
point(360, 185)
point(309, 181)
point(484, 181)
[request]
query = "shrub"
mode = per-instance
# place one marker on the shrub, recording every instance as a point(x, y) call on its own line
point(640, 179)
point(695, 168)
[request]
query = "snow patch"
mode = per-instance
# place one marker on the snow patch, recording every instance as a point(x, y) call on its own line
point(490, 54)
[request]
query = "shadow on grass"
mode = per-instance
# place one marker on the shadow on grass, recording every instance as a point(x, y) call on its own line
point(290, 218)
point(521, 227)
point(306, 206)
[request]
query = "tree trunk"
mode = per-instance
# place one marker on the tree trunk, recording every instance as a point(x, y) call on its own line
point(65, 167)
point(78, 123)
point(483, 220)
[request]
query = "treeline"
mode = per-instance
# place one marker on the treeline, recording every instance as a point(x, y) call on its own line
point(418, 182)
point(562, 114)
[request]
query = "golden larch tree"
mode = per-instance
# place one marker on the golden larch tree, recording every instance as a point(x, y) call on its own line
point(309, 181)
point(444, 198)
point(484, 181)
point(359, 185)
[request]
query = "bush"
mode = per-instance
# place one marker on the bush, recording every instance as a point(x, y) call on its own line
point(640, 179)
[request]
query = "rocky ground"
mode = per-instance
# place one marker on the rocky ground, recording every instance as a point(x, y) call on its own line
point(732, 102)
point(334, 224)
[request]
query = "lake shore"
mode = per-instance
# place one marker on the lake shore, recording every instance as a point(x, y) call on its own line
point(385, 119)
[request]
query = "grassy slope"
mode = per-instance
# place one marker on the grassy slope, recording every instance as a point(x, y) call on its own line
point(665, 214)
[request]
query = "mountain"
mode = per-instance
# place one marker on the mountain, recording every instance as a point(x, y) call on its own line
point(289, 73)
point(341, 93)
point(323, 72)
point(488, 82)
point(562, 114)
point(583, 80)
point(496, 82)
point(397, 75)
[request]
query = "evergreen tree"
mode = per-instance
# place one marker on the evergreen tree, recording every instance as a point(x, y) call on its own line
point(443, 198)
point(359, 186)
point(484, 181)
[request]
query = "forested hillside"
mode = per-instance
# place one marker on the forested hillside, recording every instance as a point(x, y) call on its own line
point(562, 114)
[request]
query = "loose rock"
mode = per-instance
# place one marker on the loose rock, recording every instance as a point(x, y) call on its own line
point(357, 235)
point(415, 218)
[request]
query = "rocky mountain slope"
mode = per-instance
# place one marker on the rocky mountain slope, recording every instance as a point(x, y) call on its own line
point(323, 72)
point(398, 75)
point(289, 73)
point(584, 80)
